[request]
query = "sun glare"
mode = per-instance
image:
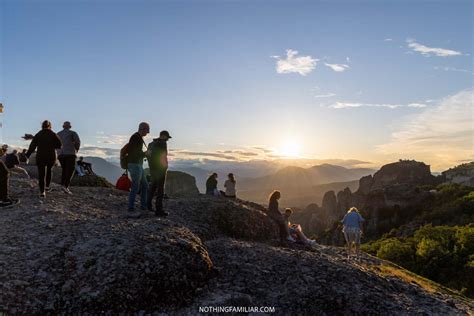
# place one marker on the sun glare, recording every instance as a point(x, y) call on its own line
point(289, 149)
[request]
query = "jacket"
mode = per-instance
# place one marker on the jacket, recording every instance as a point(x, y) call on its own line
point(45, 142)
point(70, 143)
point(158, 156)
point(135, 149)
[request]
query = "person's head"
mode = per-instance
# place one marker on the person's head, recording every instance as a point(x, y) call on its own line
point(15, 151)
point(24, 151)
point(353, 209)
point(67, 125)
point(81, 158)
point(214, 175)
point(46, 124)
point(231, 177)
point(143, 129)
point(165, 135)
point(288, 212)
point(275, 195)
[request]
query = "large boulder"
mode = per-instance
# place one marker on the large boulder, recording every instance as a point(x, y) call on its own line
point(180, 184)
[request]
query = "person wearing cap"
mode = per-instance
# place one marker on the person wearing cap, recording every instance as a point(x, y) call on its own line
point(67, 154)
point(158, 163)
point(135, 168)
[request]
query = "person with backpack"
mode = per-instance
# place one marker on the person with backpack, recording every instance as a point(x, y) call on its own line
point(132, 156)
point(67, 154)
point(158, 163)
point(46, 141)
point(5, 200)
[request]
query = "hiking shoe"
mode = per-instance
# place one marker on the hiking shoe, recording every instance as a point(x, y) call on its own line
point(162, 214)
point(50, 189)
point(133, 214)
point(66, 190)
point(9, 202)
point(42, 195)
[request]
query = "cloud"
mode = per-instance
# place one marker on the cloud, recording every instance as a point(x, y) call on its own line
point(429, 51)
point(337, 67)
point(442, 135)
point(112, 154)
point(388, 40)
point(103, 138)
point(302, 65)
point(348, 105)
point(450, 69)
point(327, 95)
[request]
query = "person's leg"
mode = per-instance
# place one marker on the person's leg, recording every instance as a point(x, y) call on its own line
point(161, 192)
point(143, 188)
point(135, 176)
point(3, 181)
point(357, 245)
point(69, 164)
point(348, 243)
point(151, 193)
point(49, 174)
point(62, 162)
point(41, 175)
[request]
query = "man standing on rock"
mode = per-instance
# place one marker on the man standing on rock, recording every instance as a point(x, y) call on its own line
point(67, 154)
point(135, 168)
point(158, 162)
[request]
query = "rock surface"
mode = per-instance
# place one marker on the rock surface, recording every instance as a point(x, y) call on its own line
point(79, 254)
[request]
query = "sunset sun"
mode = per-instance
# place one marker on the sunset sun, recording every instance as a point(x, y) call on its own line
point(289, 149)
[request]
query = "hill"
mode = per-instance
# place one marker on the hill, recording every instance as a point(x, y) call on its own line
point(300, 186)
point(79, 254)
point(104, 168)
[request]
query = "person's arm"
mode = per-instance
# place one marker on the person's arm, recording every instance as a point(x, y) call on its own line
point(33, 145)
point(57, 141)
point(77, 141)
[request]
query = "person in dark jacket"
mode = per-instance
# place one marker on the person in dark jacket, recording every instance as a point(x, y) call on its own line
point(67, 154)
point(135, 168)
point(5, 200)
point(274, 213)
point(211, 184)
point(45, 142)
point(158, 163)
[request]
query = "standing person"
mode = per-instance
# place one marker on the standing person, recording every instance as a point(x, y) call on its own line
point(352, 229)
point(67, 154)
point(46, 141)
point(135, 156)
point(158, 163)
point(211, 184)
point(5, 201)
point(274, 213)
point(229, 186)
point(12, 161)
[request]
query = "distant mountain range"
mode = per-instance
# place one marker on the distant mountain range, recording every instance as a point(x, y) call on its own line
point(105, 168)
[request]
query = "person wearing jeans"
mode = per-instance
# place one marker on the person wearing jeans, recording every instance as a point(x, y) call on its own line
point(67, 154)
point(135, 156)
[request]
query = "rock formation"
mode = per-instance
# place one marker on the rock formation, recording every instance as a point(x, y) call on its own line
point(79, 254)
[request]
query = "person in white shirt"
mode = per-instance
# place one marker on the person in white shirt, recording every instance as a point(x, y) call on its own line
point(229, 186)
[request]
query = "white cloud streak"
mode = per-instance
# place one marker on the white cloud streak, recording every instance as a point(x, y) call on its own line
point(431, 51)
point(450, 69)
point(302, 65)
point(442, 135)
point(327, 95)
point(349, 105)
point(337, 67)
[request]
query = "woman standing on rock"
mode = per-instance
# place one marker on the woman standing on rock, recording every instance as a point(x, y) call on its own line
point(274, 213)
point(45, 142)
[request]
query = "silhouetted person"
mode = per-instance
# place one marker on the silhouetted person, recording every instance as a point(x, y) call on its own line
point(67, 154)
point(5, 201)
point(22, 157)
point(211, 185)
point(158, 163)
point(295, 230)
point(274, 213)
point(12, 161)
point(45, 142)
point(135, 168)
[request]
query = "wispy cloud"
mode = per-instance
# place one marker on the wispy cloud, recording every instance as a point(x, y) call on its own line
point(337, 67)
point(348, 105)
point(295, 64)
point(431, 51)
point(103, 138)
point(450, 69)
point(442, 135)
point(388, 40)
point(327, 95)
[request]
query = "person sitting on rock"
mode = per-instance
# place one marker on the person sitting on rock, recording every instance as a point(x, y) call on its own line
point(229, 186)
point(295, 230)
point(12, 161)
point(211, 185)
point(22, 157)
point(5, 201)
point(86, 167)
point(274, 213)
point(352, 229)
point(158, 163)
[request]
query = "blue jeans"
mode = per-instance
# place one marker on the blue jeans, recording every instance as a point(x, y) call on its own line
point(138, 181)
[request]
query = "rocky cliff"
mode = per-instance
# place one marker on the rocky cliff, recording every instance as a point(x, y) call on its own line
point(79, 254)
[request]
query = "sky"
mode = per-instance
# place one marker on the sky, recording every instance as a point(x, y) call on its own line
point(368, 82)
